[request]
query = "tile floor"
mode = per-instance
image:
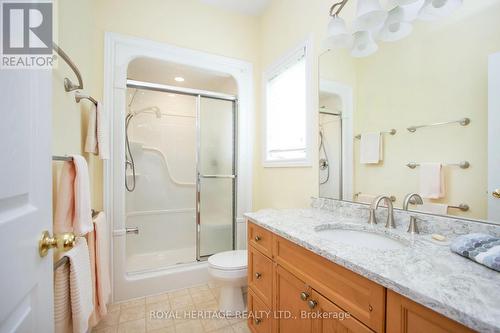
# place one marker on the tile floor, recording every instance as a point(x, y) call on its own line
point(134, 316)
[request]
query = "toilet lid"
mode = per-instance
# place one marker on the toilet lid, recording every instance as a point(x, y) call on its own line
point(230, 260)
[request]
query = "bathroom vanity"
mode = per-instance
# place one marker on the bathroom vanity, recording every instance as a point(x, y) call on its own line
point(298, 267)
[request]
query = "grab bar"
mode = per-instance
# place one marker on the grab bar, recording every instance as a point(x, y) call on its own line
point(68, 84)
point(218, 176)
point(133, 230)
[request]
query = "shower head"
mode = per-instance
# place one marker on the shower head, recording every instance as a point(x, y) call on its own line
point(154, 109)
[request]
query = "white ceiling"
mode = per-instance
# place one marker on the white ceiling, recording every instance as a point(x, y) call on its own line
point(248, 7)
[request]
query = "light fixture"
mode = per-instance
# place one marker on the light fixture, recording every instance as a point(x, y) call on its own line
point(369, 15)
point(364, 45)
point(436, 9)
point(179, 79)
point(338, 36)
point(395, 28)
point(411, 8)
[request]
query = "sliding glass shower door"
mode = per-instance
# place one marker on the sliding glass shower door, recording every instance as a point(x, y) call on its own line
point(216, 179)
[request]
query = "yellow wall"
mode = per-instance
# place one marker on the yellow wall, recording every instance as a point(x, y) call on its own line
point(284, 25)
point(81, 27)
point(437, 74)
point(191, 24)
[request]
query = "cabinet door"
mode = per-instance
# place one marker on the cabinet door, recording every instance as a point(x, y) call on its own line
point(329, 318)
point(289, 303)
point(406, 316)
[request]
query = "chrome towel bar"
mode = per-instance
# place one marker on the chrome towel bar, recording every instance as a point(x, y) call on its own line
point(462, 164)
point(462, 122)
point(392, 131)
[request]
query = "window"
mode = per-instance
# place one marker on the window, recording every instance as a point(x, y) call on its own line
point(286, 111)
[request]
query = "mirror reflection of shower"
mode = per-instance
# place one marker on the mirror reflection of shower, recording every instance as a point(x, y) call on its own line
point(129, 158)
point(330, 151)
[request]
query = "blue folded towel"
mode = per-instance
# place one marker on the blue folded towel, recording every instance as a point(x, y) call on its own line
point(481, 248)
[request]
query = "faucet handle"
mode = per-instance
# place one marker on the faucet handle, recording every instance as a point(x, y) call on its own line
point(413, 226)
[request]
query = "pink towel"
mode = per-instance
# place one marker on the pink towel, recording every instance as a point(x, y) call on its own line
point(73, 208)
point(97, 141)
point(432, 181)
point(65, 200)
point(80, 283)
point(99, 262)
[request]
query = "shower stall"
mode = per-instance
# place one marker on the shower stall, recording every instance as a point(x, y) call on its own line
point(180, 175)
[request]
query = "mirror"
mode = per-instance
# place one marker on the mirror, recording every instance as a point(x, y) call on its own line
point(413, 117)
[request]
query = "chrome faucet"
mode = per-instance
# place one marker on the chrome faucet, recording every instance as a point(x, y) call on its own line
point(416, 199)
point(412, 198)
point(390, 211)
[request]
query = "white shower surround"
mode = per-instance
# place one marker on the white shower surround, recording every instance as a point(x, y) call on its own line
point(119, 51)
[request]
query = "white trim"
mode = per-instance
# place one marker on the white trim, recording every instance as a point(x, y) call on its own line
point(345, 93)
point(310, 102)
point(119, 50)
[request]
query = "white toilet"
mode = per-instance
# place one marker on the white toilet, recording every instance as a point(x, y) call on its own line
point(230, 270)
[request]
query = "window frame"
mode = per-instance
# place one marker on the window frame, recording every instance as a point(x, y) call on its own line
point(272, 71)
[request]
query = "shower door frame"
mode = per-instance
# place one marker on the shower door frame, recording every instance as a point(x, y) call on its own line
point(199, 94)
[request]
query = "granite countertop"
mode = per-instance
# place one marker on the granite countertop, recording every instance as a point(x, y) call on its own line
point(425, 271)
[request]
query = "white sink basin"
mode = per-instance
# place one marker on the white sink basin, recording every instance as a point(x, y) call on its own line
point(361, 239)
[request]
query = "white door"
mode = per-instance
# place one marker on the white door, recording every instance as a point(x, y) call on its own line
point(26, 294)
point(494, 137)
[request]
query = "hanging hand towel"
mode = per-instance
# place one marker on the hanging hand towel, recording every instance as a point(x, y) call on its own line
point(82, 219)
point(62, 301)
point(97, 141)
point(80, 282)
point(65, 199)
point(98, 243)
point(432, 181)
point(371, 148)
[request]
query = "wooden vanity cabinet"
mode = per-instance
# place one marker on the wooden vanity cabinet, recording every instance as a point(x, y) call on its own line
point(406, 316)
point(305, 293)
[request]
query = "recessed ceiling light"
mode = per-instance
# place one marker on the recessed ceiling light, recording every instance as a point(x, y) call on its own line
point(179, 79)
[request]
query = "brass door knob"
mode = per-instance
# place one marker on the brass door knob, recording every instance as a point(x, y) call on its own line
point(304, 296)
point(63, 242)
point(257, 321)
point(258, 275)
point(312, 304)
point(257, 238)
point(496, 193)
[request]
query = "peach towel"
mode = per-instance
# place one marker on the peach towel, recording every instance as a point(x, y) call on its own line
point(73, 209)
point(99, 262)
point(97, 141)
point(73, 295)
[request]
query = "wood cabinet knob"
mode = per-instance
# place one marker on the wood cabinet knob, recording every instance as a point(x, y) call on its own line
point(257, 238)
point(304, 296)
point(258, 275)
point(257, 321)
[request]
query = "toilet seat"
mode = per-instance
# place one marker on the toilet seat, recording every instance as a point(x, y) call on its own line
point(229, 260)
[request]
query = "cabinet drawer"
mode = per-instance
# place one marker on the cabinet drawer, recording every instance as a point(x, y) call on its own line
point(260, 238)
point(259, 315)
point(260, 275)
point(331, 319)
point(362, 298)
